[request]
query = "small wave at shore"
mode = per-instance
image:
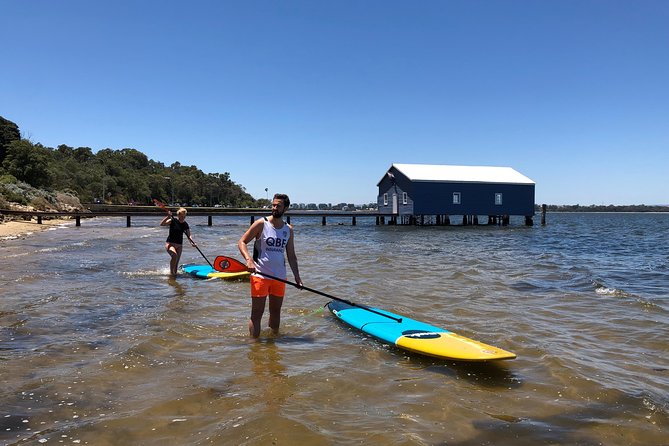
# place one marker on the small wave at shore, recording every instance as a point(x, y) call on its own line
point(147, 273)
point(605, 291)
point(646, 303)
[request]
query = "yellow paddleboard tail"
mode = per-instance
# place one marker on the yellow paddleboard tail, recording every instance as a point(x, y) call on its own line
point(453, 346)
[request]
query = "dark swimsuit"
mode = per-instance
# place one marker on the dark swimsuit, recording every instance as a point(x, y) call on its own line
point(177, 230)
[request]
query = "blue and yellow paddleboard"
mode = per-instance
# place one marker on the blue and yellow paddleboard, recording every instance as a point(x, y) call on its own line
point(207, 272)
point(416, 336)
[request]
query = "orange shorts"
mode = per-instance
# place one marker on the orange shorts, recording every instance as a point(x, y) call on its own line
point(262, 287)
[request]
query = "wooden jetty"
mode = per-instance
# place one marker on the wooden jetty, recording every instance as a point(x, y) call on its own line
point(210, 212)
point(145, 211)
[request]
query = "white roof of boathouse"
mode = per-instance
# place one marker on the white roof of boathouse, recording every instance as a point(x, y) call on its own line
point(462, 174)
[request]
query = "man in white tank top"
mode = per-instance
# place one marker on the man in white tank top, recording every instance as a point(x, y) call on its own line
point(273, 239)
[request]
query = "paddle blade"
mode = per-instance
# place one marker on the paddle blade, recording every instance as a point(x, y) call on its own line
point(228, 265)
point(159, 204)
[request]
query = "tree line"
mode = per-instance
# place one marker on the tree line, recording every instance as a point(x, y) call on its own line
point(112, 176)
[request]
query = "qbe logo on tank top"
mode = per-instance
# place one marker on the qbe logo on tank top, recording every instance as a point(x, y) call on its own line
point(277, 244)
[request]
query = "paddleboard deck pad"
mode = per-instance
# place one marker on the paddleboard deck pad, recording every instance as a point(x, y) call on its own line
point(207, 272)
point(416, 336)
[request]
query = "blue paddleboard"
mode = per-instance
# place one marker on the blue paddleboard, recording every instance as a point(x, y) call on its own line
point(416, 336)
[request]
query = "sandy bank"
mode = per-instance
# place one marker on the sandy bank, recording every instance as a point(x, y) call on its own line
point(22, 228)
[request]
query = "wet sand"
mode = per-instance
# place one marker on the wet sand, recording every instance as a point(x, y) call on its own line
point(14, 229)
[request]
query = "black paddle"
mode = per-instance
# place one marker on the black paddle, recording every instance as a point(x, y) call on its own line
point(205, 257)
point(229, 264)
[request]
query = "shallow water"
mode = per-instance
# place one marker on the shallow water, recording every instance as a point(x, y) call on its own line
point(98, 346)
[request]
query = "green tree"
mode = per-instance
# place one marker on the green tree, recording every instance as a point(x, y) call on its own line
point(28, 162)
point(9, 132)
point(116, 176)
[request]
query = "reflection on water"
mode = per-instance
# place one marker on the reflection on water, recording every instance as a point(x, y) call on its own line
point(98, 345)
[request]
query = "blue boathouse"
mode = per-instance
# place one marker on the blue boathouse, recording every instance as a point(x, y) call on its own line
point(432, 194)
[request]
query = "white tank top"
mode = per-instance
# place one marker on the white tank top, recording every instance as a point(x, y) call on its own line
point(269, 249)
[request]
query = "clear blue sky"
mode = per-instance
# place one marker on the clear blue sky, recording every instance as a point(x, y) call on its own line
point(318, 98)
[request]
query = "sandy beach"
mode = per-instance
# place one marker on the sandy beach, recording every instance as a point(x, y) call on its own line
point(22, 228)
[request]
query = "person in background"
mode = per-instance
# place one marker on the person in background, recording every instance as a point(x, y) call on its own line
point(273, 239)
point(175, 239)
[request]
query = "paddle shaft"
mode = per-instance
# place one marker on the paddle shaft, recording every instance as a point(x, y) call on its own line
point(205, 257)
point(161, 205)
point(231, 260)
point(330, 296)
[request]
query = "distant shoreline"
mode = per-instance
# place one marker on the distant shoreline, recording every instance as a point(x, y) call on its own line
point(641, 208)
point(606, 212)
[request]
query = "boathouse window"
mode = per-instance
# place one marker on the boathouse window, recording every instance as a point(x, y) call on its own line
point(498, 198)
point(456, 197)
point(385, 199)
point(405, 199)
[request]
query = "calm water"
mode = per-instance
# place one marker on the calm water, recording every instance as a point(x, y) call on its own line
point(98, 346)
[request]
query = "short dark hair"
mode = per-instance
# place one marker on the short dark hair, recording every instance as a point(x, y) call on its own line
point(284, 197)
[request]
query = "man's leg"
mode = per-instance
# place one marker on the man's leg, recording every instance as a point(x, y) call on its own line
point(257, 309)
point(275, 313)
